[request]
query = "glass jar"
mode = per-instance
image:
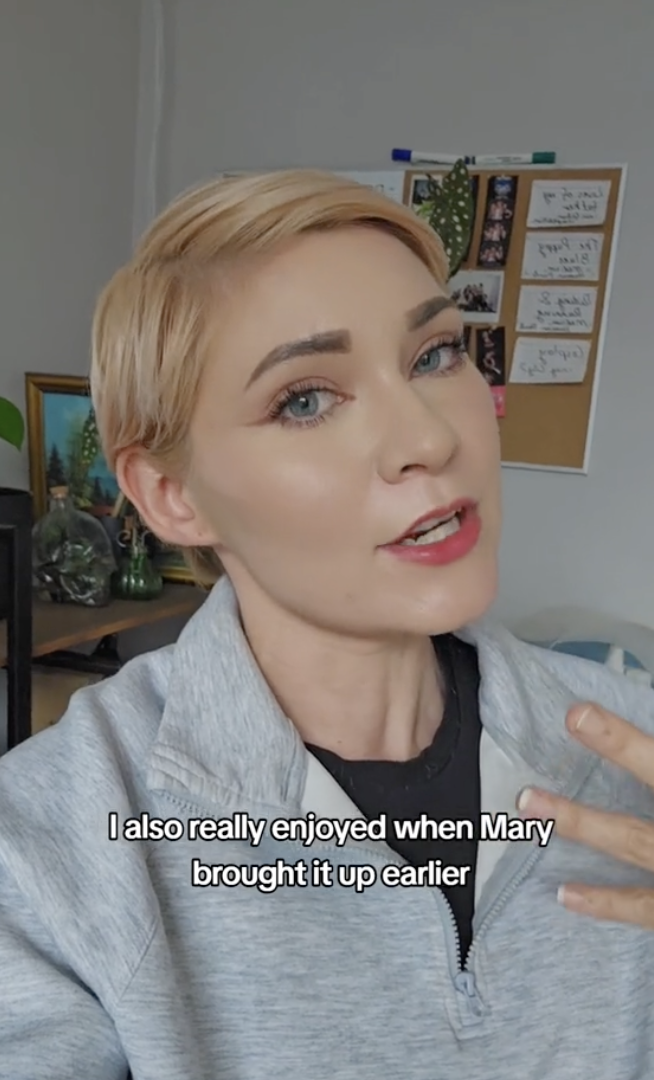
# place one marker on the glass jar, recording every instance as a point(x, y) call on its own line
point(72, 559)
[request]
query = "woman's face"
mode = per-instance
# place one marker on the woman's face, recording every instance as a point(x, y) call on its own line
point(307, 459)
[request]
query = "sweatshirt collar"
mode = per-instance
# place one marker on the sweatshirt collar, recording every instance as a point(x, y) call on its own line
point(523, 703)
point(224, 739)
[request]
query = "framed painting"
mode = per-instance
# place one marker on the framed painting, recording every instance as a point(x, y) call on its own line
point(64, 450)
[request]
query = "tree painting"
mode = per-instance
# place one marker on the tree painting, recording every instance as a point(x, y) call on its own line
point(74, 458)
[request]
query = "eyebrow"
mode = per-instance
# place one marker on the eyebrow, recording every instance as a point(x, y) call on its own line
point(425, 312)
point(340, 341)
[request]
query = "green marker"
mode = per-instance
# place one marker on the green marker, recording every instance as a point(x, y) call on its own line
point(416, 157)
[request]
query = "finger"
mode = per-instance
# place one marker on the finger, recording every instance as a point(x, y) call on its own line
point(614, 739)
point(626, 838)
point(634, 906)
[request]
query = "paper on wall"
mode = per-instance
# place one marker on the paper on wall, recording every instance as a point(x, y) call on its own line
point(568, 202)
point(389, 182)
point(562, 256)
point(549, 360)
point(556, 309)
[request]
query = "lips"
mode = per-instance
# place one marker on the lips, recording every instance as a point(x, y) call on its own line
point(435, 517)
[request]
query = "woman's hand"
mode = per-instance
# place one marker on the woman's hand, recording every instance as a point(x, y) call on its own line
point(626, 838)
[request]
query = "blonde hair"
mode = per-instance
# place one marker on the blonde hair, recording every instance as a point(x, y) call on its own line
point(152, 319)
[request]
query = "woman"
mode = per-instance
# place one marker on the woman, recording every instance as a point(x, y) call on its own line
point(204, 871)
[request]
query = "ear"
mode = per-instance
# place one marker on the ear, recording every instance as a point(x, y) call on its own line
point(162, 501)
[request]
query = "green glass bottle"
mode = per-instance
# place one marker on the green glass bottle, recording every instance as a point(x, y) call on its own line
point(137, 578)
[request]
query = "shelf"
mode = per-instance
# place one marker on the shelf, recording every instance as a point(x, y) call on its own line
point(63, 626)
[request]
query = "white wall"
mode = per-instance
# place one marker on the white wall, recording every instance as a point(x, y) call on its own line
point(68, 92)
point(256, 84)
point(68, 95)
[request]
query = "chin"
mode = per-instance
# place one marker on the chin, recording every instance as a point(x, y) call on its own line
point(466, 597)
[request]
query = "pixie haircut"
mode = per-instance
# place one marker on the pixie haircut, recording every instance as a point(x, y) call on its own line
point(153, 320)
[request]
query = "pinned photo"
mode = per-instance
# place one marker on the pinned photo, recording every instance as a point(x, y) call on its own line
point(495, 232)
point(498, 221)
point(491, 361)
point(478, 295)
point(491, 355)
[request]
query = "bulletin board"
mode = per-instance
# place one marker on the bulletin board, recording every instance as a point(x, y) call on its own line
point(541, 258)
point(534, 292)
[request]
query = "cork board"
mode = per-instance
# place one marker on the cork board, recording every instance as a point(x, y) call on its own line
point(551, 289)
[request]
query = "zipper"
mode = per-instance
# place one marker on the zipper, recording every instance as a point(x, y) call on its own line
point(511, 886)
point(452, 940)
point(462, 976)
point(520, 866)
point(471, 1009)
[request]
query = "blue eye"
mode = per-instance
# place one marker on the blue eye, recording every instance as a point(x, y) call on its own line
point(303, 405)
point(300, 405)
point(446, 355)
point(307, 396)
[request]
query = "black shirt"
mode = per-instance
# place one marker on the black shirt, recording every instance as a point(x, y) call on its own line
point(442, 782)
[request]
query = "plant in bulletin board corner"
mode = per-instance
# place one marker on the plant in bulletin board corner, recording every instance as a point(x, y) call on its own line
point(450, 210)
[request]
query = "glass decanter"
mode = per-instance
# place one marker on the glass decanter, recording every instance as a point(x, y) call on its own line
point(72, 559)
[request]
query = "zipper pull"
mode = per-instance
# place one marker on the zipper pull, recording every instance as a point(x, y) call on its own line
point(466, 987)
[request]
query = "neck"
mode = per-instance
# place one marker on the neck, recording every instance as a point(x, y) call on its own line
point(376, 699)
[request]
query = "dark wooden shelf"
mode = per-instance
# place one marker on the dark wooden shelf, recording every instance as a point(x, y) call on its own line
point(63, 626)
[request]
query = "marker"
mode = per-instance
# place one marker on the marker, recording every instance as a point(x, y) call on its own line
point(540, 157)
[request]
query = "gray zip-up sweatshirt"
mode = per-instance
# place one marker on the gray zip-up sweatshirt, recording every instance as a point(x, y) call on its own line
point(110, 958)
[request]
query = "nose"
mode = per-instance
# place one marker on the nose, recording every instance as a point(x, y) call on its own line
point(415, 435)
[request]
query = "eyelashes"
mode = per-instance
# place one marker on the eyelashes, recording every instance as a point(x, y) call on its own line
point(297, 391)
point(453, 347)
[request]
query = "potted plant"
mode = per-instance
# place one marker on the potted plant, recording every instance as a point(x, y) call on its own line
point(12, 425)
point(13, 502)
point(450, 210)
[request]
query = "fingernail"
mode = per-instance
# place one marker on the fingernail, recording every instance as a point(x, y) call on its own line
point(570, 898)
point(590, 722)
point(524, 798)
point(535, 802)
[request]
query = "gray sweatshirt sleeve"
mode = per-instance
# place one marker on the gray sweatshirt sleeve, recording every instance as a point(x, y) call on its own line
point(52, 1027)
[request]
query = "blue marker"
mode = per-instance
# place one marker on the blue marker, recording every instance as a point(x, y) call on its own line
point(417, 157)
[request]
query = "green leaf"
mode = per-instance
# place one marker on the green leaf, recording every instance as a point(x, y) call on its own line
point(12, 425)
point(452, 213)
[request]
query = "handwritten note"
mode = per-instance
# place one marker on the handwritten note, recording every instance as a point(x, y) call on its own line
point(568, 202)
point(389, 182)
point(562, 256)
point(549, 360)
point(558, 309)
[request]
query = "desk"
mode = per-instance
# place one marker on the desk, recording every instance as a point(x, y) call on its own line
point(58, 628)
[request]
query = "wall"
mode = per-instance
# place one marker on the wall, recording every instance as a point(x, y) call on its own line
point(68, 93)
point(304, 82)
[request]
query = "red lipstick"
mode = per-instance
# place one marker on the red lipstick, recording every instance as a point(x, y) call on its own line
point(447, 550)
